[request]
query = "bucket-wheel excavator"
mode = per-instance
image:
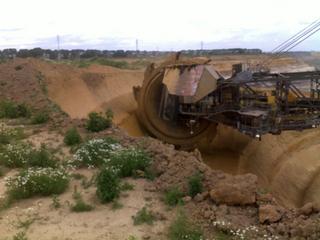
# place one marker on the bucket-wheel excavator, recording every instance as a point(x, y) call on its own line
point(182, 100)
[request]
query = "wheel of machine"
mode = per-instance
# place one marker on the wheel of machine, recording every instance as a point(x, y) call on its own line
point(149, 98)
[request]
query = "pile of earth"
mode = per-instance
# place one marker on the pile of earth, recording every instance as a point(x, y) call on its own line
point(233, 204)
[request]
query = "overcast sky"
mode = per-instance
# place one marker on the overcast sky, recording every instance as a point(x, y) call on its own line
point(161, 24)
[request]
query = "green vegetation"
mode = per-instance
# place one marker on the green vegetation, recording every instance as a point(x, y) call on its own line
point(126, 186)
point(108, 185)
point(195, 184)
point(98, 121)
point(173, 196)
point(23, 155)
point(8, 135)
point(183, 229)
point(80, 205)
point(40, 118)
point(20, 236)
point(143, 216)
point(116, 205)
point(9, 109)
point(37, 182)
point(95, 152)
point(72, 137)
point(55, 202)
point(128, 161)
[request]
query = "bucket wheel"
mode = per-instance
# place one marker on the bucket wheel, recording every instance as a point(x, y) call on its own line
point(148, 97)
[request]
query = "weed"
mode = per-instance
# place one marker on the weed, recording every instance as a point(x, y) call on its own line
point(131, 237)
point(9, 109)
point(40, 118)
point(183, 229)
point(98, 122)
point(195, 184)
point(88, 183)
point(42, 158)
point(128, 161)
point(23, 155)
point(143, 216)
point(72, 137)
point(7, 135)
point(16, 155)
point(25, 223)
point(55, 202)
point(77, 176)
point(108, 185)
point(95, 152)
point(173, 196)
point(37, 181)
point(42, 83)
point(116, 205)
point(20, 236)
point(126, 186)
point(1, 172)
point(80, 205)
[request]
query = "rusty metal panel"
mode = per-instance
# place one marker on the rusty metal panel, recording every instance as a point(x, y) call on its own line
point(183, 81)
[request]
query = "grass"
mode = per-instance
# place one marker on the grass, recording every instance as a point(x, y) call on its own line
point(55, 202)
point(77, 176)
point(80, 205)
point(25, 223)
point(173, 196)
point(20, 236)
point(116, 205)
point(144, 216)
point(195, 184)
point(126, 186)
point(182, 229)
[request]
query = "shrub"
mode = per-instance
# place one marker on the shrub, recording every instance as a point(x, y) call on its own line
point(7, 135)
point(182, 229)
point(108, 185)
point(195, 184)
point(40, 118)
point(72, 137)
point(95, 152)
point(42, 158)
point(9, 109)
point(128, 161)
point(143, 216)
point(16, 155)
point(23, 155)
point(98, 122)
point(173, 196)
point(37, 182)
